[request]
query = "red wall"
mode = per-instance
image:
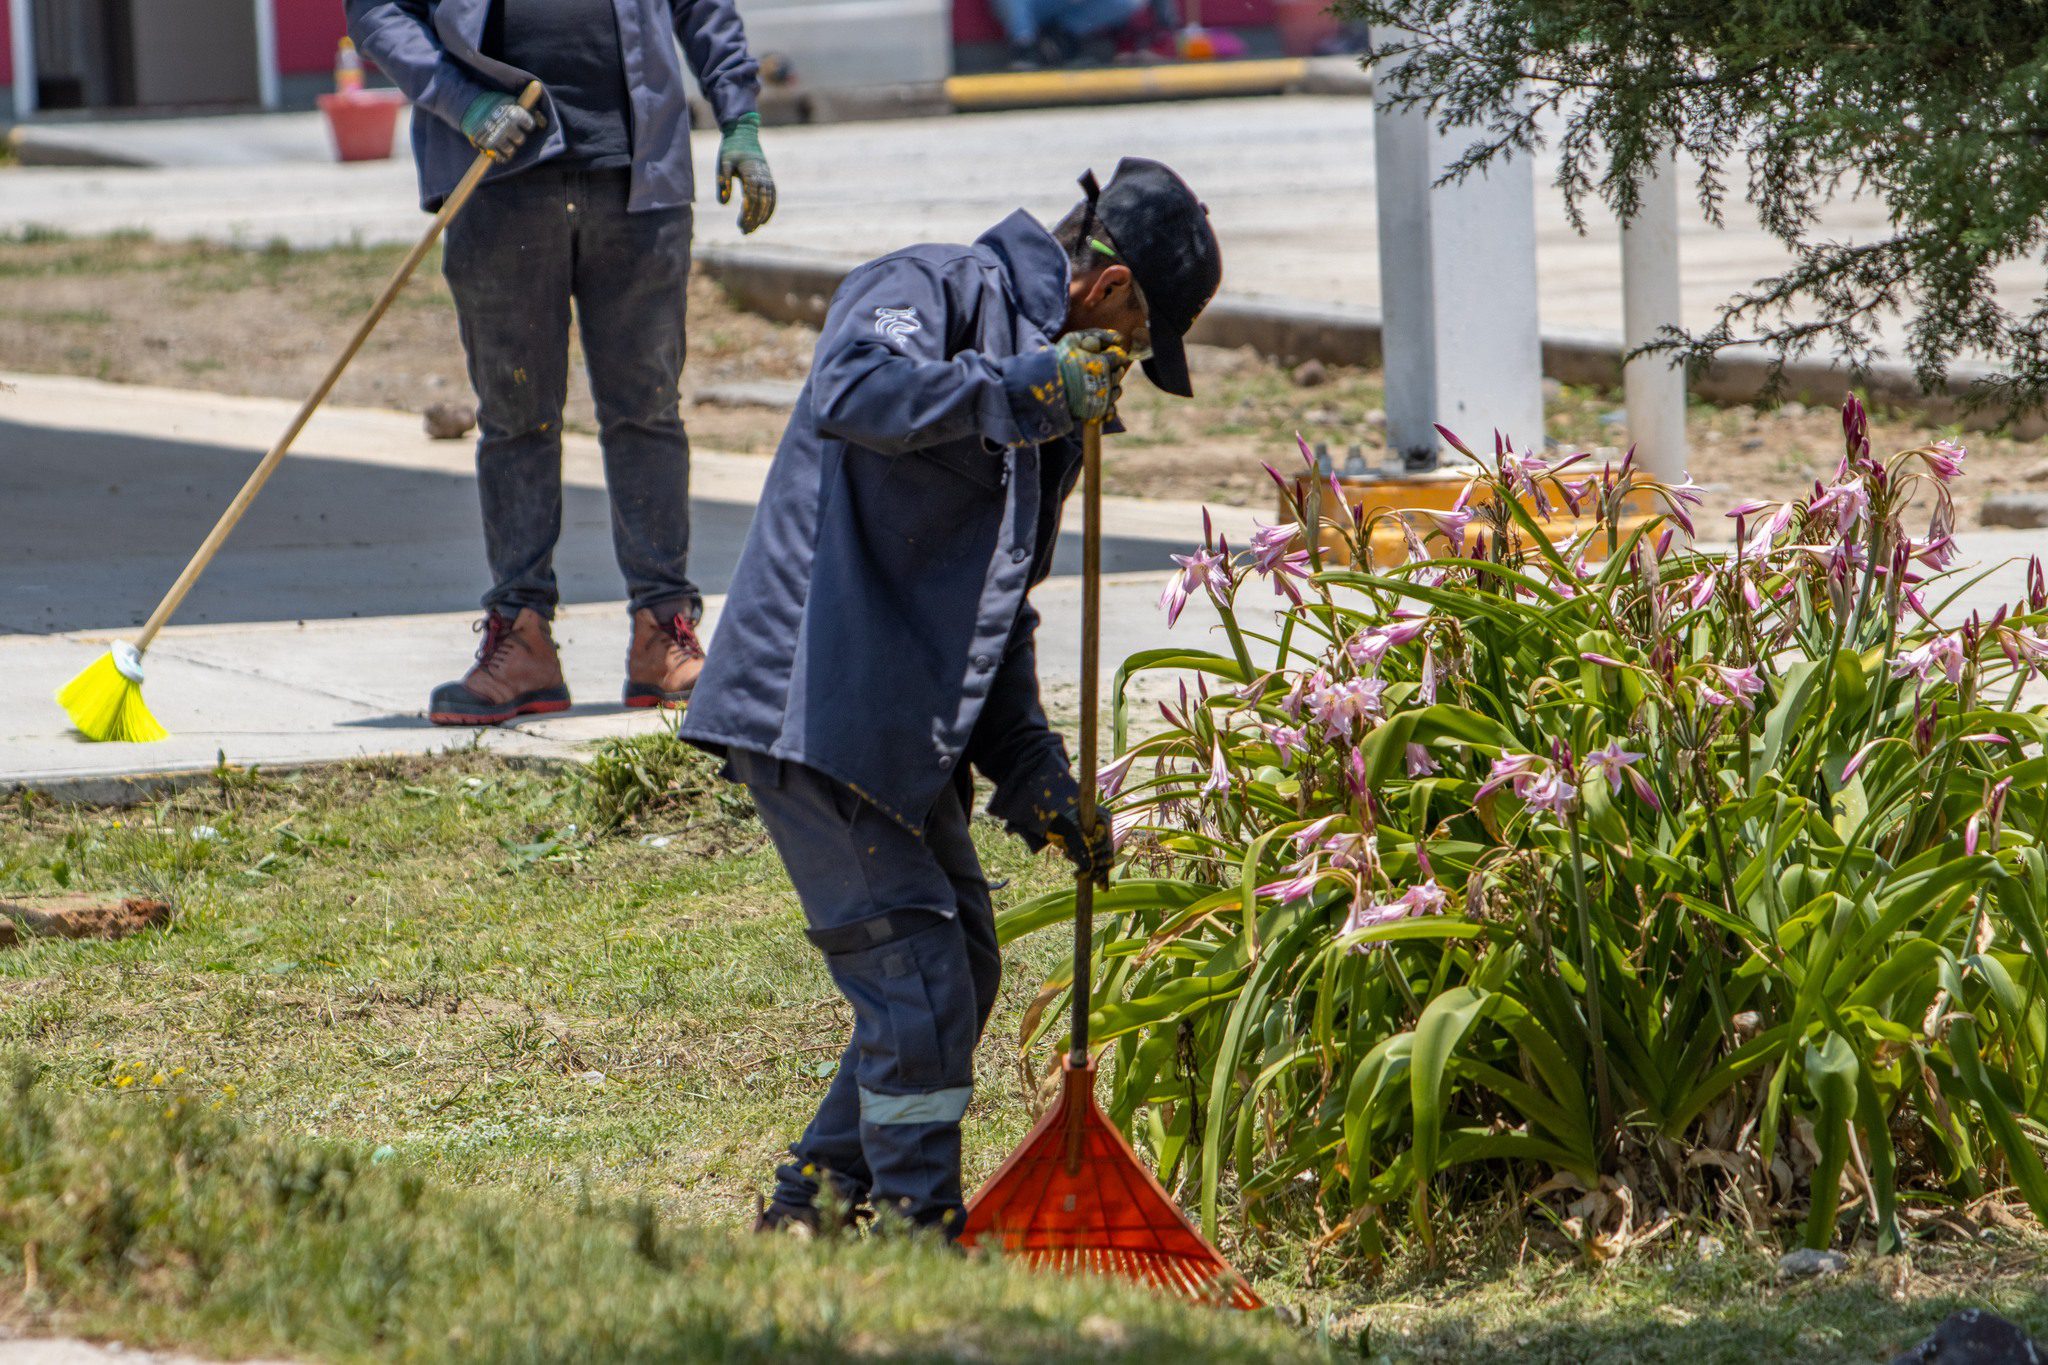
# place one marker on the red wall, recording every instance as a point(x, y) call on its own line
point(6, 51)
point(308, 31)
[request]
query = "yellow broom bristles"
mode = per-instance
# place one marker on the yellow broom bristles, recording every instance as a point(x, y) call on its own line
point(105, 701)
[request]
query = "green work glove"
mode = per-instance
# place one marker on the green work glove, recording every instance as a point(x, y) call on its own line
point(497, 126)
point(1092, 365)
point(739, 154)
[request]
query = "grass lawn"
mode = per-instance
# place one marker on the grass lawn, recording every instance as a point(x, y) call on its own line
point(489, 1086)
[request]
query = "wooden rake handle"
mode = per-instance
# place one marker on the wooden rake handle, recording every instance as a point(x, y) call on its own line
point(1091, 640)
point(261, 475)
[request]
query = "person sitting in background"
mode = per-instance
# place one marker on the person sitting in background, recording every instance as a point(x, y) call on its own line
point(1046, 33)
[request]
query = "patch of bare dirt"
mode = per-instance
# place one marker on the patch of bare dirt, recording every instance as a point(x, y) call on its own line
point(78, 915)
point(267, 321)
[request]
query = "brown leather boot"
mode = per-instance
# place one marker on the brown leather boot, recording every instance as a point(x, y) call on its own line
point(517, 673)
point(663, 661)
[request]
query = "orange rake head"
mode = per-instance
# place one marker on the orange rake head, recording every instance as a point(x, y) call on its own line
point(1074, 1197)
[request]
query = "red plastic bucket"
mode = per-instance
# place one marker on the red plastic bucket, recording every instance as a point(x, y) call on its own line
point(363, 123)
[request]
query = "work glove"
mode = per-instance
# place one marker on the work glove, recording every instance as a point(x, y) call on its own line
point(1092, 366)
point(496, 125)
point(739, 154)
point(1091, 852)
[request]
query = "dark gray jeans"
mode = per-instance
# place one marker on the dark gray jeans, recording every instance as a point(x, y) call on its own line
point(516, 256)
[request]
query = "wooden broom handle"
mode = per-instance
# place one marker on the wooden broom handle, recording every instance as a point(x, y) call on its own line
point(1091, 637)
point(261, 475)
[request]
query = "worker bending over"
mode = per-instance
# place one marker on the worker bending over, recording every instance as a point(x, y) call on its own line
point(877, 643)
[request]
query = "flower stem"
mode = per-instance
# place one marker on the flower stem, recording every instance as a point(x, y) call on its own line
point(1589, 964)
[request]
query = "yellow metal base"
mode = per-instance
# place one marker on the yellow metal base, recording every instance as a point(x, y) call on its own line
point(1437, 491)
point(1125, 84)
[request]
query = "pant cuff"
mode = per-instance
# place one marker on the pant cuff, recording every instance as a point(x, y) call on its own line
point(690, 606)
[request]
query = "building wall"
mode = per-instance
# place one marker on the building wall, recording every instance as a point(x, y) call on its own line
point(308, 31)
point(6, 63)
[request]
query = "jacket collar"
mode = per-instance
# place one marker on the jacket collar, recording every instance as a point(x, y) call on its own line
point(1036, 266)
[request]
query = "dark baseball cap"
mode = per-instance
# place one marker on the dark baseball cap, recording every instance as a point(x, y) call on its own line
point(1160, 231)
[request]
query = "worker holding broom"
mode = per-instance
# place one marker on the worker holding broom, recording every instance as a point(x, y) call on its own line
point(590, 202)
point(877, 643)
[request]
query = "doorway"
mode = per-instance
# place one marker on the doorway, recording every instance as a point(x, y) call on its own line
point(142, 54)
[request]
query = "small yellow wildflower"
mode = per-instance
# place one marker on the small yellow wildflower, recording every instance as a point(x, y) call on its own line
point(158, 1079)
point(123, 1082)
point(177, 1071)
point(229, 1090)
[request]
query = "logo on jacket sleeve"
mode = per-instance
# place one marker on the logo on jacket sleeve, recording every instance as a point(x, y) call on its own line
point(897, 323)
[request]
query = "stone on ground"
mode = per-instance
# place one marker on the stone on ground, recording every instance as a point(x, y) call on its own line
point(1807, 1264)
point(449, 421)
point(2023, 510)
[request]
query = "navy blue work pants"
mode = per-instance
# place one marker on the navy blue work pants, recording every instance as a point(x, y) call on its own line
point(517, 255)
point(909, 936)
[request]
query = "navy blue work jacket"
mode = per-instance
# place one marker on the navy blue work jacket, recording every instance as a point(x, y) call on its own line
point(429, 50)
point(877, 628)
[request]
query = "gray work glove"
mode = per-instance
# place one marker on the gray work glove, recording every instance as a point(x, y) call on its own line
point(739, 154)
point(495, 124)
point(1092, 366)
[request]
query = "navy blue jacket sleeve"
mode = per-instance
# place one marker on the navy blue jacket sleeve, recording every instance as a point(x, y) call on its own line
point(716, 43)
point(398, 35)
point(1015, 748)
point(885, 377)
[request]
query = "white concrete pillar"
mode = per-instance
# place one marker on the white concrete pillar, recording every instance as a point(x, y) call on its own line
point(22, 35)
point(1653, 384)
point(1457, 291)
point(267, 85)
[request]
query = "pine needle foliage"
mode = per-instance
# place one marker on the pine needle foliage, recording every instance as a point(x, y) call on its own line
point(1936, 108)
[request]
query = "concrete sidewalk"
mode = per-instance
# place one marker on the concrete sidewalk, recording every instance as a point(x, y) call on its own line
point(348, 592)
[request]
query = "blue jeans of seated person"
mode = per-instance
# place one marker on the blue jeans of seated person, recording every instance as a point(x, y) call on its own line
point(909, 936)
point(517, 255)
point(1024, 20)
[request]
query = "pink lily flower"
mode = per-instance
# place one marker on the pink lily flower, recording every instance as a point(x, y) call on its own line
point(1219, 770)
point(1300, 886)
point(1420, 764)
point(1506, 769)
point(1288, 740)
point(1339, 706)
point(1617, 764)
point(1426, 899)
point(1548, 791)
point(1202, 568)
point(1270, 546)
point(1743, 683)
point(1110, 780)
point(1310, 836)
point(1370, 646)
point(1430, 676)
point(1848, 501)
point(1354, 776)
point(1944, 459)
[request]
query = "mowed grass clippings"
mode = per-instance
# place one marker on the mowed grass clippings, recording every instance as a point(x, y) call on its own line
point(154, 1215)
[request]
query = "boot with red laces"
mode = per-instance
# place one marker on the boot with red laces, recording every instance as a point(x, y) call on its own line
point(517, 673)
point(664, 660)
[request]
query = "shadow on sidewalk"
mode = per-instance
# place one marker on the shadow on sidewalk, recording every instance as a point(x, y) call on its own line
point(94, 527)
